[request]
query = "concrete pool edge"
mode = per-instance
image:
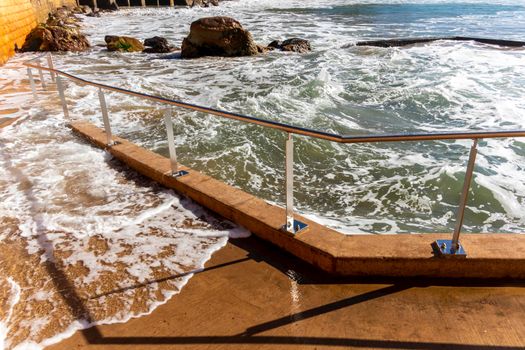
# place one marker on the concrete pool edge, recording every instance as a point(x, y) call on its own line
point(409, 255)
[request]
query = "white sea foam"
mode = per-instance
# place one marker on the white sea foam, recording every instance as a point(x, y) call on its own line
point(70, 205)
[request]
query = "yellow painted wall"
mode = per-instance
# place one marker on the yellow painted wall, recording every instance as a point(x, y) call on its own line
point(18, 17)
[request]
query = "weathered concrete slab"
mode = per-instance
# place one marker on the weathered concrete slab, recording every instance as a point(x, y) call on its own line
point(407, 255)
point(251, 296)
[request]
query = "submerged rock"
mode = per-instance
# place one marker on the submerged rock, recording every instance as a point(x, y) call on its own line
point(123, 43)
point(296, 45)
point(218, 36)
point(158, 44)
point(276, 44)
point(413, 41)
point(293, 44)
point(192, 3)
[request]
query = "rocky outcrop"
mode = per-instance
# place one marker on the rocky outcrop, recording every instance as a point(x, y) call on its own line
point(191, 3)
point(19, 17)
point(413, 41)
point(123, 44)
point(293, 44)
point(158, 44)
point(59, 33)
point(218, 36)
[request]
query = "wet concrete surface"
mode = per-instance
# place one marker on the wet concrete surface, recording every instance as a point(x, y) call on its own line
point(252, 295)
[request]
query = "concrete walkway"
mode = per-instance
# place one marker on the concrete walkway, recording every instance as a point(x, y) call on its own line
point(255, 296)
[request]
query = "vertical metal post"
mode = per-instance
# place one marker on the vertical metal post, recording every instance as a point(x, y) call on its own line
point(464, 195)
point(50, 65)
point(453, 247)
point(41, 73)
point(105, 117)
point(171, 144)
point(32, 82)
point(289, 183)
point(62, 95)
point(293, 226)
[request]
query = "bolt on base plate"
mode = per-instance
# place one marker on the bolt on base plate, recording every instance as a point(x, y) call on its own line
point(444, 247)
point(298, 226)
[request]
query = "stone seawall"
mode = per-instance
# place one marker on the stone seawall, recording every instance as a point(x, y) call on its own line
point(18, 17)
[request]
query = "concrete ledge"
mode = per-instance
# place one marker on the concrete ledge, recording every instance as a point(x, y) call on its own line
point(500, 256)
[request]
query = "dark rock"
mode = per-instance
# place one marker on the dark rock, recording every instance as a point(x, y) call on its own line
point(218, 36)
point(296, 45)
point(413, 41)
point(94, 14)
point(55, 38)
point(276, 44)
point(158, 44)
point(123, 44)
point(192, 3)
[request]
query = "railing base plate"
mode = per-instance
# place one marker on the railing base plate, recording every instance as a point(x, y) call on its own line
point(298, 225)
point(443, 247)
point(179, 173)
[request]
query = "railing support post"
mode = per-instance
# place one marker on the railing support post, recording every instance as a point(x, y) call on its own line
point(105, 117)
point(453, 247)
point(292, 226)
point(50, 65)
point(175, 172)
point(62, 95)
point(41, 74)
point(32, 82)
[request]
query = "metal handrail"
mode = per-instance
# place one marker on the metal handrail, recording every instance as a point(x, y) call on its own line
point(455, 135)
point(442, 247)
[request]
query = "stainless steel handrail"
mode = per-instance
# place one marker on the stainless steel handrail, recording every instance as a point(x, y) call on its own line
point(456, 135)
point(443, 247)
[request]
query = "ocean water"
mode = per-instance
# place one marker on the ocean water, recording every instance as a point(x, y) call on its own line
point(69, 211)
point(340, 88)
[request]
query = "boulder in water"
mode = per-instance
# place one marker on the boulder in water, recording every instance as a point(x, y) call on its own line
point(123, 44)
point(158, 44)
point(293, 44)
point(218, 36)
